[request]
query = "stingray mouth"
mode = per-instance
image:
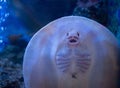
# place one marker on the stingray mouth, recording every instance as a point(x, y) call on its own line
point(73, 40)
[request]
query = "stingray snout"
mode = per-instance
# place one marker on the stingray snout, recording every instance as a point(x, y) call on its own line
point(73, 38)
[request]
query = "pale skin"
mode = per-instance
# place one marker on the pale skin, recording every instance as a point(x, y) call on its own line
point(71, 52)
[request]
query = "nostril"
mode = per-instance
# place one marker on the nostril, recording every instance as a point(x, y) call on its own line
point(77, 34)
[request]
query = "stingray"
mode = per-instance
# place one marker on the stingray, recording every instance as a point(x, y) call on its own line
point(71, 52)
